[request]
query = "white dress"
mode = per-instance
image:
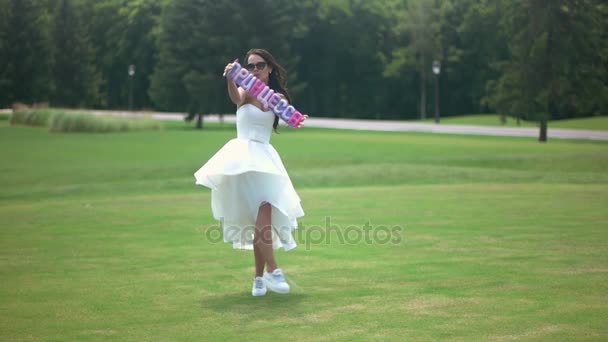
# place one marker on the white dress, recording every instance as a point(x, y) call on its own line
point(245, 173)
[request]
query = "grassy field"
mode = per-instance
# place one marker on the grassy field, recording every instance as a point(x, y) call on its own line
point(592, 123)
point(104, 237)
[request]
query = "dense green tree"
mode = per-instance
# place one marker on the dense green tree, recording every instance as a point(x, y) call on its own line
point(469, 43)
point(423, 27)
point(26, 52)
point(482, 44)
point(554, 68)
point(105, 29)
point(125, 33)
point(179, 81)
point(418, 31)
point(199, 37)
point(138, 45)
point(529, 59)
point(343, 52)
point(462, 35)
point(77, 81)
point(6, 67)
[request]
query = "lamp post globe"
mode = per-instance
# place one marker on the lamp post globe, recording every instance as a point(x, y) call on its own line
point(436, 71)
point(436, 67)
point(131, 72)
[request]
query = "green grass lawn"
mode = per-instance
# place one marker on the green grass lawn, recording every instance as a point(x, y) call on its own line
point(105, 237)
point(592, 123)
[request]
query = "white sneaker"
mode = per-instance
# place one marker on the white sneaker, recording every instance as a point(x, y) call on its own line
point(259, 288)
point(276, 281)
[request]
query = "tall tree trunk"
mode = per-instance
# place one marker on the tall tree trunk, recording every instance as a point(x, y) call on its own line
point(547, 79)
point(199, 121)
point(542, 137)
point(422, 89)
point(437, 99)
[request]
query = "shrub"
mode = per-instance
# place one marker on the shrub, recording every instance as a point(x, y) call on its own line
point(68, 121)
point(38, 117)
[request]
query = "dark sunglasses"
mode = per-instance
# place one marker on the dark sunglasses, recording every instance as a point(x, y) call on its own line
point(259, 66)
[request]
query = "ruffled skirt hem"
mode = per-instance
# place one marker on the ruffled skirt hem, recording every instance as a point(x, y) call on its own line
point(242, 176)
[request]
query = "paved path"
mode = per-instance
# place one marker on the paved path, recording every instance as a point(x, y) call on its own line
point(403, 126)
point(559, 133)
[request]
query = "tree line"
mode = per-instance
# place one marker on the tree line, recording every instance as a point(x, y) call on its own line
point(531, 59)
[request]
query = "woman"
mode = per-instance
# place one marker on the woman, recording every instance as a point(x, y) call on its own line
point(251, 193)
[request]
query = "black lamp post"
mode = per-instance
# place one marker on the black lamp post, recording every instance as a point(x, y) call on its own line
point(436, 71)
point(131, 74)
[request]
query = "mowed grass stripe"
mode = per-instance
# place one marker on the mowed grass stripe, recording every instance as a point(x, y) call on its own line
point(40, 164)
point(474, 261)
point(105, 237)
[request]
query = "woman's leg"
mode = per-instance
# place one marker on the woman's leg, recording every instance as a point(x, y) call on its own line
point(262, 241)
point(259, 261)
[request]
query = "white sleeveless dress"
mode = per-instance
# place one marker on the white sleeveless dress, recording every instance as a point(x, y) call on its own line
point(245, 173)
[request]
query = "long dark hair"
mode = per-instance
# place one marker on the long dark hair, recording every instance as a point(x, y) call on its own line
point(277, 80)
